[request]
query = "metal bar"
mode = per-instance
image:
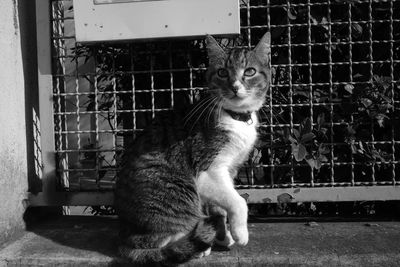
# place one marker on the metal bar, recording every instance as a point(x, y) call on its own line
point(296, 25)
point(318, 185)
point(45, 116)
point(248, 24)
point(96, 117)
point(132, 62)
point(310, 78)
point(255, 166)
point(272, 46)
point(371, 75)
point(271, 108)
point(153, 106)
point(126, 91)
point(317, 4)
point(338, 63)
point(171, 76)
point(115, 118)
point(349, 14)
point(59, 82)
point(191, 86)
point(393, 84)
point(289, 37)
point(378, 193)
point(332, 154)
point(327, 194)
point(250, 179)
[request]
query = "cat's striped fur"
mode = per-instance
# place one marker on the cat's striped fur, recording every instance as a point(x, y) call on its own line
point(175, 188)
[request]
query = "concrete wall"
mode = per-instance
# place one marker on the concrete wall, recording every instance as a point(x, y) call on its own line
point(13, 157)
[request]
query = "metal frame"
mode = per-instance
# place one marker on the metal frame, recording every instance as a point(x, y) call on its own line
point(44, 119)
point(54, 128)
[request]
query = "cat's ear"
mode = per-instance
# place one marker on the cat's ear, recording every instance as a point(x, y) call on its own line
point(216, 54)
point(263, 48)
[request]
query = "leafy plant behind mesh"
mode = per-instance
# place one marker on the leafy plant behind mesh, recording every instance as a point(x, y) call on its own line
point(340, 128)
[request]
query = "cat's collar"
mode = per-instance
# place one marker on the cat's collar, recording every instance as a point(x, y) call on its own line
point(240, 116)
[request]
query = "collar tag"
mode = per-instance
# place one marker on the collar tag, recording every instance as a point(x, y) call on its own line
point(250, 121)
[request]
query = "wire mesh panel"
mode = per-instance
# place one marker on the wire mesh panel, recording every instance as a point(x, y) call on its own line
point(330, 119)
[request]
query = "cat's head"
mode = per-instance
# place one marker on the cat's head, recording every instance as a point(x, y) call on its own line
point(239, 77)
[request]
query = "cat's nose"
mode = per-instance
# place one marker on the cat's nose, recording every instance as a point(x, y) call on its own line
point(235, 89)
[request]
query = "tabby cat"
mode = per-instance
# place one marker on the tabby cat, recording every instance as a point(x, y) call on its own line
point(175, 189)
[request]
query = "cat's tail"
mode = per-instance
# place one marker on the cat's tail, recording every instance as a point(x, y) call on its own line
point(179, 251)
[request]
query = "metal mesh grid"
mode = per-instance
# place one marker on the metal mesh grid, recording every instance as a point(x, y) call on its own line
point(331, 117)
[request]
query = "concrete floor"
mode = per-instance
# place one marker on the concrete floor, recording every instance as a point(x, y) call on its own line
point(91, 241)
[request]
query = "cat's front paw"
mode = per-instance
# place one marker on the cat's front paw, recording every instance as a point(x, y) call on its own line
point(240, 235)
point(204, 253)
point(227, 242)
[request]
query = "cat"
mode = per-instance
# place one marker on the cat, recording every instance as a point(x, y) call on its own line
point(175, 188)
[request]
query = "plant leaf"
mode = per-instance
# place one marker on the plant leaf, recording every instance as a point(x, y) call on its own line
point(322, 158)
point(357, 76)
point(357, 30)
point(302, 152)
point(292, 140)
point(323, 149)
point(366, 102)
point(318, 164)
point(299, 152)
point(307, 137)
point(311, 162)
point(380, 118)
point(349, 88)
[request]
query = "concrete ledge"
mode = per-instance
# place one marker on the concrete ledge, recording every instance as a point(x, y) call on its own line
point(91, 241)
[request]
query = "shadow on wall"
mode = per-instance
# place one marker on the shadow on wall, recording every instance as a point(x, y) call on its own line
point(27, 25)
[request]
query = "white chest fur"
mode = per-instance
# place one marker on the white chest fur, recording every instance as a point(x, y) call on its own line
point(242, 136)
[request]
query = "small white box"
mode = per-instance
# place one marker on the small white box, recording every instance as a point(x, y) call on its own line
point(116, 20)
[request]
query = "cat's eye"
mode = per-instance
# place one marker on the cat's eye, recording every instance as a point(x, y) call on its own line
point(223, 73)
point(249, 72)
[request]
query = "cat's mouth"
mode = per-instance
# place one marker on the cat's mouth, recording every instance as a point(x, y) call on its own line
point(238, 96)
point(236, 103)
point(241, 104)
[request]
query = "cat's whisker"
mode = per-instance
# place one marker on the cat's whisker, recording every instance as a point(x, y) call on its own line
point(220, 110)
point(202, 112)
point(212, 111)
point(208, 114)
point(196, 109)
point(197, 106)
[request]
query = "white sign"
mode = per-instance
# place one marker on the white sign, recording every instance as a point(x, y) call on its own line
point(117, 20)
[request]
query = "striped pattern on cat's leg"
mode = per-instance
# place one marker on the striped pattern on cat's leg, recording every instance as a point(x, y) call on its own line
point(226, 240)
point(223, 237)
point(217, 187)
